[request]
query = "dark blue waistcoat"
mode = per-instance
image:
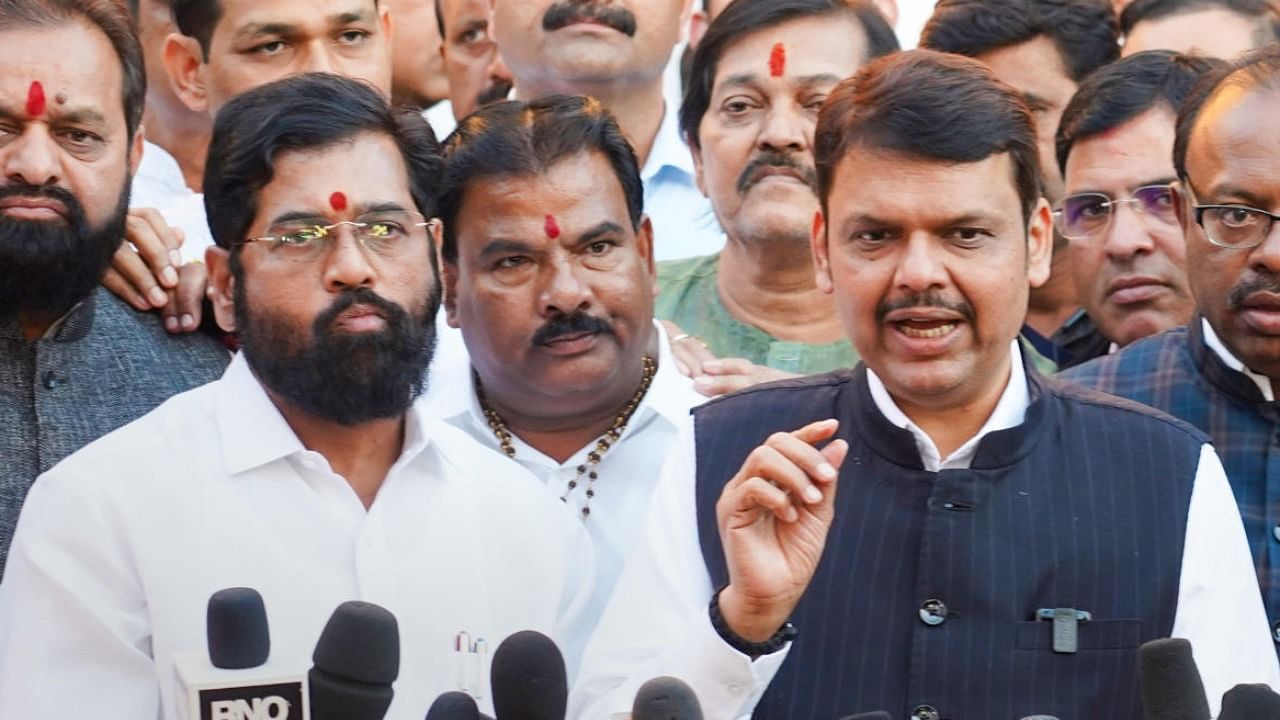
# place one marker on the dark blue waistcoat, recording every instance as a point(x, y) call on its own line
point(926, 600)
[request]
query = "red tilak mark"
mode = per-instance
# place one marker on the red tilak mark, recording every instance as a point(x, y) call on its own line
point(553, 230)
point(778, 60)
point(338, 201)
point(35, 100)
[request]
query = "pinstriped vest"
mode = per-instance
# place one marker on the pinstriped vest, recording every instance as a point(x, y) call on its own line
point(1082, 506)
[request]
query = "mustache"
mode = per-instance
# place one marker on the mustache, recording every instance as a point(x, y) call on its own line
point(932, 298)
point(396, 316)
point(496, 92)
point(74, 210)
point(773, 158)
point(1261, 282)
point(574, 324)
point(563, 14)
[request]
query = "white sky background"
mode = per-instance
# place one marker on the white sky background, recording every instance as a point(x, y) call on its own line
point(912, 15)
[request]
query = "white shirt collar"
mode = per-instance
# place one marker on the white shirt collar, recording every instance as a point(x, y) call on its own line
point(1009, 412)
point(254, 433)
point(1214, 343)
point(670, 398)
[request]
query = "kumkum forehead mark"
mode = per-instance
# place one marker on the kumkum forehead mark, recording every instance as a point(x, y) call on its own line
point(36, 103)
point(338, 201)
point(551, 226)
point(778, 60)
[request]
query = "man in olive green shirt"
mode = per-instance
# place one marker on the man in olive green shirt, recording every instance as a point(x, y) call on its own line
point(749, 115)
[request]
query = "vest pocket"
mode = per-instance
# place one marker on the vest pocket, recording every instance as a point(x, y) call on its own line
point(1093, 635)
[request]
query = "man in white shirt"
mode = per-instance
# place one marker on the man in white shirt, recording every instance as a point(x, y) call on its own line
point(622, 54)
point(548, 273)
point(951, 533)
point(308, 471)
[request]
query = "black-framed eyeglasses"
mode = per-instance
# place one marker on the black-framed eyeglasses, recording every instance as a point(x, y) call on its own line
point(1088, 215)
point(1235, 227)
point(386, 234)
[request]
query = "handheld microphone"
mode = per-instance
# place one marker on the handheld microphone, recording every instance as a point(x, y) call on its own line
point(234, 682)
point(528, 678)
point(1170, 682)
point(454, 705)
point(666, 698)
point(877, 715)
point(1250, 702)
point(356, 660)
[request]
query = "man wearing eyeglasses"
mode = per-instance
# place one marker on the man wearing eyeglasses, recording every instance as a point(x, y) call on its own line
point(308, 471)
point(1220, 372)
point(1114, 146)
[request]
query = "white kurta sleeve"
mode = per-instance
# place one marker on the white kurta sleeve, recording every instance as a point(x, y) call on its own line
point(657, 622)
point(74, 629)
point(1220, 608)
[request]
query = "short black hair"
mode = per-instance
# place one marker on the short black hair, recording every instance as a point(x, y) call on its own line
point(1124, 90)
point(1267, 31)
point(198, 18)
point(933, 106)
point(1260, 68)
point(304, 112)
point(513, 139)
point(1083, 31)
point(111, 19)
point(744, 17)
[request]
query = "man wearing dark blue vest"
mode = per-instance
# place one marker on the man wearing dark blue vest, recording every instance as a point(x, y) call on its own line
point(939, 532)
point(1220, 372)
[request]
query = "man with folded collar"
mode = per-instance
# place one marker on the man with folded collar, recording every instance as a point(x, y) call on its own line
point(1220, 372)
point(940, 532)
point(548, 271)
point(308, 471)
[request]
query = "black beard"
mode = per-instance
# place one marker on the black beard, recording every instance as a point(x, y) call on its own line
point(346, 378)
point(46, 267)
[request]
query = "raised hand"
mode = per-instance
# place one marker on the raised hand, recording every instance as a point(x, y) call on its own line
point(773, 517)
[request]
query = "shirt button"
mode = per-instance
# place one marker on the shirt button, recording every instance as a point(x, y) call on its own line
point(1275, 532)
point(1275, 632)
point(51, 379)
point(933, 612)
point(735, 689)
point(925, 712)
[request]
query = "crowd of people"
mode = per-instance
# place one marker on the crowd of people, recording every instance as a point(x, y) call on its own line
point(726, 341)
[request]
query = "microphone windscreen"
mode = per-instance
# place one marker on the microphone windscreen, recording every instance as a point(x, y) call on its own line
point(528, 678)
point(666, 698)
point(361, 642)
point(236, 625)
point(877, 715)
point(1170, 682)
point(454, 706)
point(1250, 702)
point(340, 698)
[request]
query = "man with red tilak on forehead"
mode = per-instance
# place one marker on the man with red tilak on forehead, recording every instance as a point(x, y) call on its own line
point(548, 271)
point(307, 471)
point(75, 362)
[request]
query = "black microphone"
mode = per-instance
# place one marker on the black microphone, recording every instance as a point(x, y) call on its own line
point(1250, 702)
point(236, 626)
point(233, 680)
point(1170, 682)
point(356, 660)
point(528, 678)
point(454, 705)
point(666, 698)
point(877, 715)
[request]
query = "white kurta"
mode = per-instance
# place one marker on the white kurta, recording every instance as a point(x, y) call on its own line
point(119, 548)
point(657, 622)
point(627, 473)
